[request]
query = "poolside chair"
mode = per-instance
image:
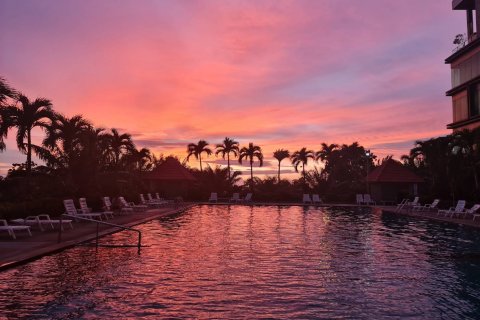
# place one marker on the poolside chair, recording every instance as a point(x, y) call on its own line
point(213, 197)
point(85, 209)
point(235, 197)
point(368, 200)
point(248, 197)
point(41, 220)
point(413, 203)
point(359, 198)
point(316, 199)
point(470, 212)
point(401, 204)
point(453, 210)
point(107, 206)
point(131, 205)
point(72, 211)
point(426, 207)
point(145, 202)
point(11, 229)
point(306, 198)
point(160, 202)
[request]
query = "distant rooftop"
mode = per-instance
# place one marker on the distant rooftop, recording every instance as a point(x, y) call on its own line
point(393, 171)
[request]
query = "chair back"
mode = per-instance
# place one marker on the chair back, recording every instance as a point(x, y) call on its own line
point(213, 196)
point(367, 198)
point(70, 207)
point(474, 208)
point(316, 198)
point(236, 196)
point(142, 199)
point(306, 198)
point(415, 200)
point(158, 196)
point(107, 203)
point(460, 206)
point(149, 196)
point(435, 203)
point(83, 205)
point(123, 202)
point(3, 222)
point(248, 197)
point(359, 198)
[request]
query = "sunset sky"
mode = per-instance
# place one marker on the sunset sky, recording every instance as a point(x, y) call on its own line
point(282, 74)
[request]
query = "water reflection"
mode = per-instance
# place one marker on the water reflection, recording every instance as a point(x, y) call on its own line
point(251, 262)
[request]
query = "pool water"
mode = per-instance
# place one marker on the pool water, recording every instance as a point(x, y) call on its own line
point(234, 262)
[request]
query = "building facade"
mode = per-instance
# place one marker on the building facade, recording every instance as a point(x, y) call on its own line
point(465, 68)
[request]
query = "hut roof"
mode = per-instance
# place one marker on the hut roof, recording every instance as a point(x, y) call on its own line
point(393, 171)
point(171, 169)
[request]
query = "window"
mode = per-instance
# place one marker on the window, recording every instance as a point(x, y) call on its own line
point(474, 100)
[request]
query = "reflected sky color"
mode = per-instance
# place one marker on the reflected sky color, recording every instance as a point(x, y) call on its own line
point(279, 73)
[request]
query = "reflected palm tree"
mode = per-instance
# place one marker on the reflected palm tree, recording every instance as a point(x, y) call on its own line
point(30, 114)
point(251, 153)
point(228, 146)
point(197, 150)
point(280, 155)
point(301, 157)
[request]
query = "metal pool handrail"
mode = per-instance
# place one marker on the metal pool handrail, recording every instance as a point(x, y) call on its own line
point(139, 245)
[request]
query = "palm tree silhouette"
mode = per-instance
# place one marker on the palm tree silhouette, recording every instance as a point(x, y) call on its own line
point(301, 157)
point(325, 153)
point(197, 150)
point(251, 153)
point(138, 160)
point(29, 115)
point(6, 92)
point(65, 136)
point(228, 146)
point(280, 155)
point(118, 144)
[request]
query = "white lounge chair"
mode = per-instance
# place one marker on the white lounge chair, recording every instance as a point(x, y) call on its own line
point(413, 203)
point(235, 197)
point(85, 209)
point(213, 197)
point(359, 198)
point(135, 207)
point(453, 210)
point(248, 197)
point(160, 202)
point(306, 198)
point(71, 210)
point(107, 206)
point(427, 207)
point(472, 212)
point(11, 229)
point(146, 202)
point(316, 199)
point(41, 220)
point(368, 200)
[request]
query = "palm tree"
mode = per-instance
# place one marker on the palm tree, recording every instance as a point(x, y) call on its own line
point(228, 146)
point(138, 159)
point(301, 157)
point(6, 91)
point(280, 155)
point(251, 153)
point(197, 150)
point(118, 144)
point(64, 137)
point(325, 153)
point(29, 115)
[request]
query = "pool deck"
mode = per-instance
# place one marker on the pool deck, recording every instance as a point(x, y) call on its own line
point(25, 248)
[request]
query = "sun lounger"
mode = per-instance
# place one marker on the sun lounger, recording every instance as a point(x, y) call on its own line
point(135, 207)
point(107, 206)
point(85, 209)
point(213, 197)
point(72, 211)
point(235, 197)
point(306, 198)
point(467, 213)
point(316, 199)
point(248, 197)
point(159, 202)
point(359, 198)
point(368, 200)
point(148, 203)
point(11, 229)
point(453, 210)
point(41, 220)
point(427, 207)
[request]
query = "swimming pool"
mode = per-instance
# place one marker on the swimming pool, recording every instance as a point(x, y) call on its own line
point(259, 262)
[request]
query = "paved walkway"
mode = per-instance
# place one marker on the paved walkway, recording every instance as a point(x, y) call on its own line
point(25, 248)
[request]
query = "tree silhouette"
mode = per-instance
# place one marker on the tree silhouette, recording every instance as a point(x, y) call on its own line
point(325, 153)
point(197, 150)
point(228, 146)
point(251, 153)
point(118, 144)
point(301, 157)
point(24, 118)
point(280, 155)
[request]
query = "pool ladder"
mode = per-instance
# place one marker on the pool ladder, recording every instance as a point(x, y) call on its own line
point(98, 222)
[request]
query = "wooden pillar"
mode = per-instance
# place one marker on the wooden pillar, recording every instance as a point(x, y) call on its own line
point(469, 25)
